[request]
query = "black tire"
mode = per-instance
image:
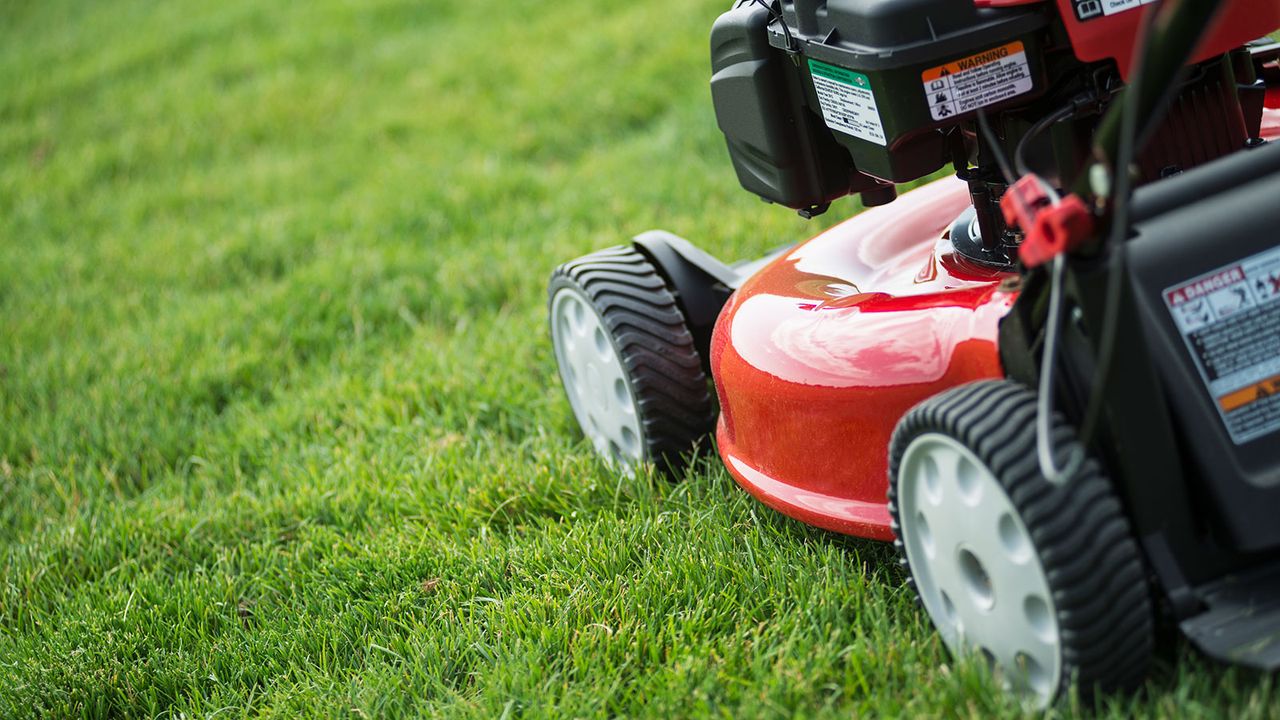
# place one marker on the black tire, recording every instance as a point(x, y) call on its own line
point(663, 371)
point(1078, 530)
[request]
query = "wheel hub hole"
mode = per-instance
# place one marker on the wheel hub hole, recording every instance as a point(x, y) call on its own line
point(969, 481)
point(990, 658)
point(602, 342)
point(932, 479)
point(1013, 539)
point(925, 534)
point(1031, 675)
point(1038, 617)
point(976, 580)
point(949, 609)
point(630, 442)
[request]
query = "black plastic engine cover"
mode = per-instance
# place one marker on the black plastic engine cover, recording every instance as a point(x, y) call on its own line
point(926, 63)
point(780, 149)
point(836, 97)
point(886, 34)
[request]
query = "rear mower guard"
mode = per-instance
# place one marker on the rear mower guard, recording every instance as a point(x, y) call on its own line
point(1205, 509)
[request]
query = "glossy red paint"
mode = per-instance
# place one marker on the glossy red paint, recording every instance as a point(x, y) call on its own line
point(1271, 124)
point(817, 357)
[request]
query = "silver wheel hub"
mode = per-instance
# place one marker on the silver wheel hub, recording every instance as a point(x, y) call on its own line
point(595, 379)
point(976, 569)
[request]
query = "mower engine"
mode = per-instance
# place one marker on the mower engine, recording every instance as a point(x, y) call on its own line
point(819, 99)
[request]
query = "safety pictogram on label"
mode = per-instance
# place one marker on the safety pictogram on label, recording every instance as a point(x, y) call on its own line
point(1230, 320)
point(848, 104)
point(977, 81)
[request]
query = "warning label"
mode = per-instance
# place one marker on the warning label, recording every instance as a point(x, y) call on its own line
point(848, 105)
point(1230, 320)
point(977, 81)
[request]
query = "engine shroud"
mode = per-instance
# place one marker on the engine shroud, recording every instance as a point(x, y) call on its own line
point(818, 99)
point(830, 98)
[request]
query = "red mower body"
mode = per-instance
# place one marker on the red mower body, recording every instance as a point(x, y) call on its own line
point(817, 357)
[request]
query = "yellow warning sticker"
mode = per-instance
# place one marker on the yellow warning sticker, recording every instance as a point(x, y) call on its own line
point(976, 81)
point(1259, 391)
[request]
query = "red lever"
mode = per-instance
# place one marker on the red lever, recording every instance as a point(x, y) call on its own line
point(1048, 230)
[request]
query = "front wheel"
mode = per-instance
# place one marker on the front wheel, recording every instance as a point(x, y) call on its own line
point(627, 360)
point(1042, 580)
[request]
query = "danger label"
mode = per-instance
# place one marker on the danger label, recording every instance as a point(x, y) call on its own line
point(1230, 321)
point(977, 81)
point(848, 103)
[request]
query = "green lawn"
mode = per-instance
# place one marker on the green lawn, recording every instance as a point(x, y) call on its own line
point(280, 431)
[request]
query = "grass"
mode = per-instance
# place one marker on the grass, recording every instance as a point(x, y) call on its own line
point(280, 432)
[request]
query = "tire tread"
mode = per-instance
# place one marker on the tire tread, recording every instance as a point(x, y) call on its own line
point(1093, 565)
point(647, 327)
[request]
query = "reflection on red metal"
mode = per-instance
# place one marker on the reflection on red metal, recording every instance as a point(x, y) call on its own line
point(1105, 29)
point(817, 357)
point(1271, 124)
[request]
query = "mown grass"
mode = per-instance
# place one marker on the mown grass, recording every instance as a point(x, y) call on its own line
point(279, 427)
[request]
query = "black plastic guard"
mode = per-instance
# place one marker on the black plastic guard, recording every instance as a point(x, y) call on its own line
point(1213, 219)
point(701, 283)
point(1242, 623)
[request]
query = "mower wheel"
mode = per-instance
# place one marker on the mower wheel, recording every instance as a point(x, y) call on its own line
point(627, 360)
point(1044, 580)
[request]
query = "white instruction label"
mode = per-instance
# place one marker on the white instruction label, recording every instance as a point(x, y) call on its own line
point(977, 81)
point(1089, 9)
point(848, 104)
point(1230, 320)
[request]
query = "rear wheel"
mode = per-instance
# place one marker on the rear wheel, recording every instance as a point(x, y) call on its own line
point(627, 359)
point(1043, 580)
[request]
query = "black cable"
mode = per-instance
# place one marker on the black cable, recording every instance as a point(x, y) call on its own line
point(1053, 324)
point(775, 15)
point(1044, 395)
point(1020, 152)
point(996, 150)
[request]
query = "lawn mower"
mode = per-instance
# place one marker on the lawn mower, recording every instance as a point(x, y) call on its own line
point(1052, 379)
